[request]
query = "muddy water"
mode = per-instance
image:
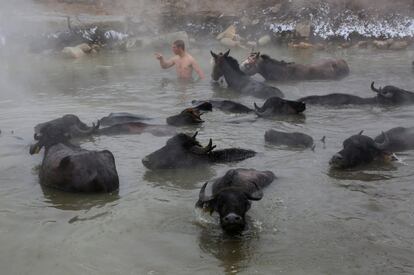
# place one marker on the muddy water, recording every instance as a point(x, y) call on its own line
point(310, 221)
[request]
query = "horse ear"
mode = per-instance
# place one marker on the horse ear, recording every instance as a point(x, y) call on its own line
point(213, 54)
point(227, 53)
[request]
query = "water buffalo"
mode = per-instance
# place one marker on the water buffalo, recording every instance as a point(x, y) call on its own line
point(223, 105)
point(70, 124)
point(272, 69)
point(137, 128)
point(227, 66)
point(189, 116)
point(290, 139)
point(122, 117)
point(360, 149)
point(70, 168)
point(337, 99)
point(231, 194)
point(184, 151)
point(389, 95)
point(400, 139)
point(278, 106)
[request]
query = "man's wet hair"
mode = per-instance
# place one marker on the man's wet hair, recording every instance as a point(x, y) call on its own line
point(179, 44)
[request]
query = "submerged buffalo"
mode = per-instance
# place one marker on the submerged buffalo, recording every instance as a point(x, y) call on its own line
point(137, 128)
point(223, 105)
point(278, 106)
point(70, 168)
point(272, 69)
point(295, 139)
point(399, 139)
point(184, 151)
point(231, 194)
point(70, 124)
point(360, 149)
point(189, 116)
point(122, 117)
point(389, 95)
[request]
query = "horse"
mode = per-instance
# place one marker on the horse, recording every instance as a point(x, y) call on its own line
point(272, 69)
point(227, 66)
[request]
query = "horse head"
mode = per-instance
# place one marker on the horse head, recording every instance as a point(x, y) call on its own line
point(218, 60)
point(250, 66)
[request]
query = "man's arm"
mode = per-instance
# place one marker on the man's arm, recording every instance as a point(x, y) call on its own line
point(197, 69)
point(165, 64)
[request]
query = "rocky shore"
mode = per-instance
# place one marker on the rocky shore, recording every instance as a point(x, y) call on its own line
point(297, 23)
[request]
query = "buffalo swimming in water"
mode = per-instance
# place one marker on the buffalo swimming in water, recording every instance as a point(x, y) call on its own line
point(231, 196)
point(184, 151)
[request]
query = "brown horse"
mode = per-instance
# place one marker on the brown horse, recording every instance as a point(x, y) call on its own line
point(272, 69)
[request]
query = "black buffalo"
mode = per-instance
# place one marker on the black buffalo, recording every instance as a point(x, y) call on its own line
point(122, 117)
point(189, 116)
point(399, 139)
point(360, 149)
point(389, 95)
point(137, 128)
point(278, 106)
point(231, 194)
point(184, 151)
point(223, 105)
point(70, 124)
point(70, 168)
point(290, 139)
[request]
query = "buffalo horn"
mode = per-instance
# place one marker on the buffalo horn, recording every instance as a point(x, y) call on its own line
point(382, 146)
point(375, 89)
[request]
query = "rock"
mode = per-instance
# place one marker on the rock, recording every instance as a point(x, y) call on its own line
point(345, 45)
point(382, 45)
point(275, 8)
point(320, 46)
point(230, 42)
point(230, 32)
point(251, 44)
point(84, 47)
point(255, 22)
point(264, 40)
point(361, 45)
point(245, 20)
point(303, 29)
point(301, 45)
point(398, 45)
point(73, 52)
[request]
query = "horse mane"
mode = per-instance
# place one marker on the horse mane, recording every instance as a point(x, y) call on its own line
point(234, 64)
point(267, 58)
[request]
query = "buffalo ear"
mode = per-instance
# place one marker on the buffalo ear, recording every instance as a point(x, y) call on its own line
point(227, 53)
point(64, 162)
point(257, 54)
point(255, 196)
point(213, 54)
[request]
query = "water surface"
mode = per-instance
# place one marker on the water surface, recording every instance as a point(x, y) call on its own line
point(310, 221)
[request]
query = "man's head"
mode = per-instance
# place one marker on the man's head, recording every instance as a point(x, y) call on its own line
point(178, 46)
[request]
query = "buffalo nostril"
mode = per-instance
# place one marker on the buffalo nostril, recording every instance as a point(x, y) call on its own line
point(232, 218)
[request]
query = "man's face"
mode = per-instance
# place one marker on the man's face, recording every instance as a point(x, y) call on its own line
point(175, 49)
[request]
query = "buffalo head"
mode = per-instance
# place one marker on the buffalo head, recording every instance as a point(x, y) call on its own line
point(278, 106)
point(181, 150)
point(359, 149)
point(188, 116)
point(391, 95)
point(231, 195)
point(70, 124)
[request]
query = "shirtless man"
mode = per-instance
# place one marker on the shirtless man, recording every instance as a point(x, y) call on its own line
point(184, 62)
